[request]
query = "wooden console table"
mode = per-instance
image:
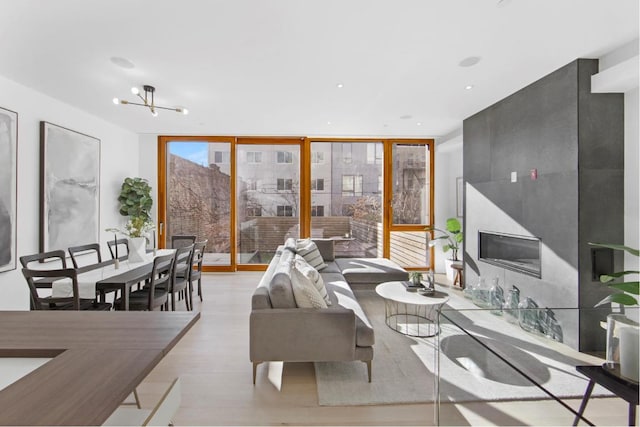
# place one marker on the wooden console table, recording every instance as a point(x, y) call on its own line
point(98, 360)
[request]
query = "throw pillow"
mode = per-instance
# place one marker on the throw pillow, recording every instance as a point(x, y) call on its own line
point(313, 275)
point(309, 251)
point(304, 292)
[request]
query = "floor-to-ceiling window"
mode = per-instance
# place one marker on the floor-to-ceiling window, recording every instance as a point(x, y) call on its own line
point(373, 197)
point(268, 196)
point(196, 194)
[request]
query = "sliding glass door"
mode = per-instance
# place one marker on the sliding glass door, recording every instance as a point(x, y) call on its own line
point(268, 203)
point(198, 192)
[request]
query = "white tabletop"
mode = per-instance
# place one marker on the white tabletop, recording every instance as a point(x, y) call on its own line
point(87, 280)
point(396, 291)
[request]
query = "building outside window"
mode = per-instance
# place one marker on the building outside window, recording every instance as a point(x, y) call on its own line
point(317, 210)
point(347, 154)
point(317, 157)
point(352, 185)
point(221, 157)
point(285, 184)
point(374, 153)
point(284, 157)
point(284, 210)
point(254, 211)
point(317, 184)
point(254, 157)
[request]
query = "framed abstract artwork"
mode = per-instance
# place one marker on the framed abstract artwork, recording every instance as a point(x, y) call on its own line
point(8, 188)
point(69, 188)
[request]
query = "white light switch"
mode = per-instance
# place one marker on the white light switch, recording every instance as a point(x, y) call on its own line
point(514, 176)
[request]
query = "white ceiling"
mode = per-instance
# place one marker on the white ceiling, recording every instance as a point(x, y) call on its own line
point(270, 67)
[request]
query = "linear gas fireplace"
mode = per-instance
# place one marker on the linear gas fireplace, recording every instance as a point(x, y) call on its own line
point(517, 253)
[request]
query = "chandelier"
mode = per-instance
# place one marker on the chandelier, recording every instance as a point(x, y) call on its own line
point(148, 101)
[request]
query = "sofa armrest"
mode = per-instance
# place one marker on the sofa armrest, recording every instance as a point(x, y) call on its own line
point(302, 334)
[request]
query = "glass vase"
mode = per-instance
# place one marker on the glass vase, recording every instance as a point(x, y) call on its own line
point(510, 307)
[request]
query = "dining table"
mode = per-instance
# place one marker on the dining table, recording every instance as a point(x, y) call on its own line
point(101, 278)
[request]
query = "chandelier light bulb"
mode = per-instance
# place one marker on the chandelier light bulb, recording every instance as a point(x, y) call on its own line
point(116, 101)
point(135, 90)
point(185, 111)
point(154, 113)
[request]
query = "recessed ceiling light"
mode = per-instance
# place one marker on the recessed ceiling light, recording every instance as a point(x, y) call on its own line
point(406, 116)
point(122, 62)
point(468, 87)
point(419, 124)
point(469, 61)
point(339, 85)
point(328, 123)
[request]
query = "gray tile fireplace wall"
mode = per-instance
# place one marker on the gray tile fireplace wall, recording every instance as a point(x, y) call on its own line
point(565, 146)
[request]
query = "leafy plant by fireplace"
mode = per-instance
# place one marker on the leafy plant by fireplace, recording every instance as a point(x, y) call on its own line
point(628, 287)
point(453, 235)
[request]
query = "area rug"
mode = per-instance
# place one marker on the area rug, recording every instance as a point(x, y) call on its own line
point(403, 367)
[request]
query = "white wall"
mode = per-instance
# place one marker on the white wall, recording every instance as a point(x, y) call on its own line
point(448, 166)
point(119, 159)
point(148, 167)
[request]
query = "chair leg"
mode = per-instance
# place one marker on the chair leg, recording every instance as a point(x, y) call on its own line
point(255, 368)
point(368, 363)
point(200, 289)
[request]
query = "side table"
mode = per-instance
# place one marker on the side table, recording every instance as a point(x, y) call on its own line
point(410, 313)
point(622, 388)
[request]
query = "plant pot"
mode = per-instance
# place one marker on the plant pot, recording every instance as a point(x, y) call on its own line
point(451, 274)
point(137, 249)
point(622, 344)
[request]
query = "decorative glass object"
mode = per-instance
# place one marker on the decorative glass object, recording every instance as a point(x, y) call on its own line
point(510, 306)
point(496, 295)
point(482, 294)
point(469, 289)
point(550, 326)
point(529, 315)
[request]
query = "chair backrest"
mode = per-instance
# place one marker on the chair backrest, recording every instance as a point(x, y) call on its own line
point(40, 303)
point(60, 255)
point(183, 262)
point(180, 240)
point(161, 274)
point(121, 243)
point(74, 251)
point(198, 253)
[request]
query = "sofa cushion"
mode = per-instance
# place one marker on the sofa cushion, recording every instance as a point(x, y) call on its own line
point(370, 270)
point(313, 275)
point(341, 295)
point(304, 291)
point(280, 291)
point(309, 251)
point(290, 244)
point(326, 248)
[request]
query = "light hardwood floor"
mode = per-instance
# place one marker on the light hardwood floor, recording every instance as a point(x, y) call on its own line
point(213, 362)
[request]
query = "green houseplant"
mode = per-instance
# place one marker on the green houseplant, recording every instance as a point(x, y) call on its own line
point(453, 235)
point(135, 203)
point(628, 287)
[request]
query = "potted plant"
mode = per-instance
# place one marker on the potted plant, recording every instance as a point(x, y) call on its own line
point(622, 332)
point(135, 203)
point(454, 238)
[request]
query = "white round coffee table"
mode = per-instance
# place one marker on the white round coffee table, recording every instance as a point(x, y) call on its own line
point(410, 313)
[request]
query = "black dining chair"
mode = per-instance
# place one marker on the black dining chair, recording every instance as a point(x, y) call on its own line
point(154, 293)
point(180, 240)
point(183, 261)
point(57, 258)
point(77, 252)
point(196, 271)
point(73, 302)
point(121, 244)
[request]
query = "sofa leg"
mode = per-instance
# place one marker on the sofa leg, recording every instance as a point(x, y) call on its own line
point(255, 367)
point(368, 362)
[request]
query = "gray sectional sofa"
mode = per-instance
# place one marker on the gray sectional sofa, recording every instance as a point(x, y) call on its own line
point(281, 331)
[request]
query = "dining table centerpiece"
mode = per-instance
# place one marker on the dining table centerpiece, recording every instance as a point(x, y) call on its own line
point(135, 203)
